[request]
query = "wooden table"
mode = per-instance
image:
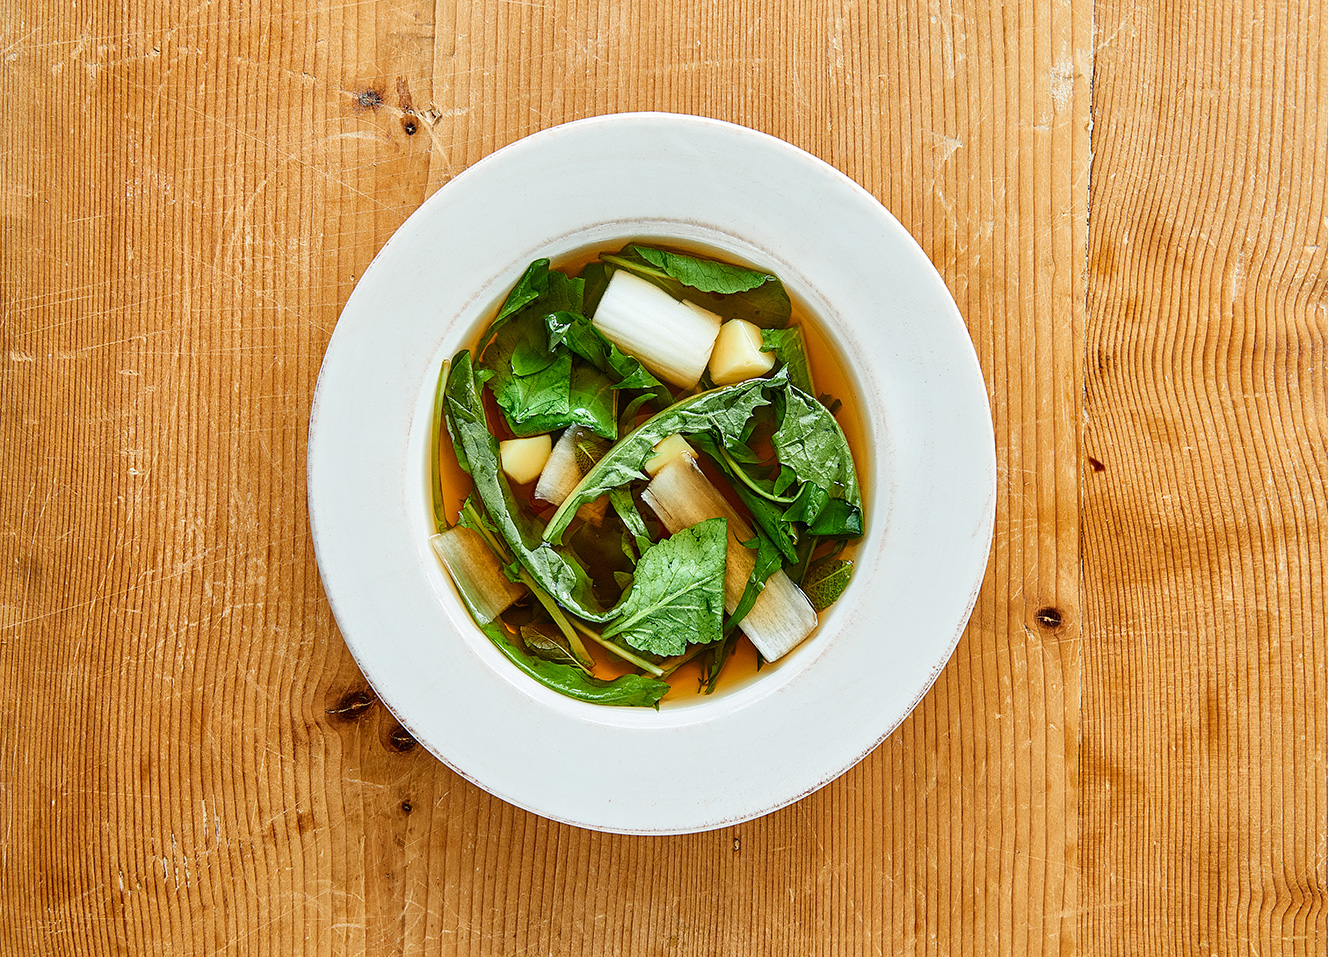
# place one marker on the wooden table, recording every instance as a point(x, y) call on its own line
point(1128, 752)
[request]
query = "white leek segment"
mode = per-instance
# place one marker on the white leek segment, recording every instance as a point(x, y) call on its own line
point(478, 575)
point(523, 459)
point(562, 473)
point(672, 339)
point(737, 355)
point(666, 450)
point(782, 617)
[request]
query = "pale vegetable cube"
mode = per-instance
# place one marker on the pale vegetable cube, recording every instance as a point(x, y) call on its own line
point(737, 355)
point(666, 450)
point(670, 338)
point(523, 459)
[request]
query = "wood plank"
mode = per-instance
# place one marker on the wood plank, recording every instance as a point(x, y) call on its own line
point(186, 767)
point(1205, 790)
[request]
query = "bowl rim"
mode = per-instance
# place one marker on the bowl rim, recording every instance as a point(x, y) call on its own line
point(353, 604)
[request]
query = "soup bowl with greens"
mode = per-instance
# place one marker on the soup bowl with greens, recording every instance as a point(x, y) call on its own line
point(651, 473)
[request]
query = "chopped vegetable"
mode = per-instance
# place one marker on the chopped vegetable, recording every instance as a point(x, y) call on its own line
point(477, 573)
point(737, 354)
point(523, 459)
point(563, 470)
point(672, 339)
point(666, 450)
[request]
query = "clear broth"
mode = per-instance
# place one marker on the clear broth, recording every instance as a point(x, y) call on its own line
point(830, 377)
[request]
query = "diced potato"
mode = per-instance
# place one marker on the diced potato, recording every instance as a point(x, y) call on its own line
point(523, 459)
point(737, 354)
point(666, 450)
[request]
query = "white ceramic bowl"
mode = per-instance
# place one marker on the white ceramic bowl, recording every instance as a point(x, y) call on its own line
point(927, 466)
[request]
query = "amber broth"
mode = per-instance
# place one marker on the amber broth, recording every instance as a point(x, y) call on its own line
point(830, 377)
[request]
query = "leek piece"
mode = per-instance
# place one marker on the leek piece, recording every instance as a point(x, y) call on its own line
point(681, 496)
point(477, 573)
point(562, 473)
point(672, 339)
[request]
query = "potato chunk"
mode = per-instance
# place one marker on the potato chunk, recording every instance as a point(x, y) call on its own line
point(666, 450)
point(523, 459)
point(737, 354)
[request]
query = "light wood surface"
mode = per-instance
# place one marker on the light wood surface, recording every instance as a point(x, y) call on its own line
point(1128, 752)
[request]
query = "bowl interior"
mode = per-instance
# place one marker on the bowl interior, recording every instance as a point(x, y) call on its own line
point(808, 307)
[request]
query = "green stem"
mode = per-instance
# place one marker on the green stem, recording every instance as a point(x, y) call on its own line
point(574, 642)
point(618, 650)
point(675, 663)
point(741, 474)
point(435, 469)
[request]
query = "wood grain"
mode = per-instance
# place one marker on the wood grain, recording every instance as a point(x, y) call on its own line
point(1205, 747)
point(190, 764)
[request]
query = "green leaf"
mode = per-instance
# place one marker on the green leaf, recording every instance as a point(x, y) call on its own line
point(532, 401)
point(723, 412)
point(790, 348)
point(534, 282)
point(545, 642)
point(719, 657)
point(826, 580)
point(542, 388)
point(562, 578)
point(768, 561)
point(729, 290)
point(577, 333)
point(623, 503)
point(629, 690)
point(595, 275)
point(707, 275)
point(810, 442)
point(677, 592)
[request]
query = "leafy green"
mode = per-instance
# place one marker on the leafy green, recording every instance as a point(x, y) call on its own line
point(544, 641)
point(732, 291)
point(563, 579)
point(579, 335)
point(534, 282)
point(707, 275)
point(541, 389)
point(435, 450)
point(826, 581)
point(790, 349)
point(629, 690)
point(811, 444)
point(623, 503)
point(595, 275)
point(677, 593)
point(723, 412)
point(767, 563)
point(719, 656)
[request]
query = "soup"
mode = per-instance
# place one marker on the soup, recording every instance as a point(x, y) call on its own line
point(642, 488)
